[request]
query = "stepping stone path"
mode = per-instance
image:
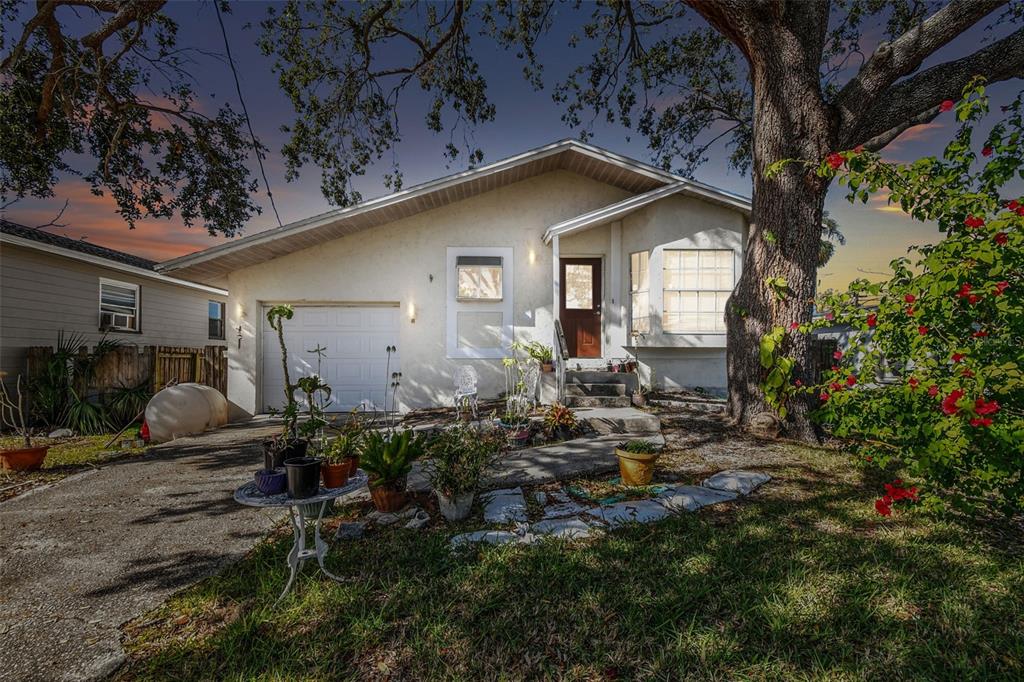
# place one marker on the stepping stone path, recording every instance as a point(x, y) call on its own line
point(692, 497)
point(504, 506)
point(567, 519)
point(740, 482)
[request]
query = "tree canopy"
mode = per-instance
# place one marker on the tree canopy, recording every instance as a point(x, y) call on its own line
point(107, 82)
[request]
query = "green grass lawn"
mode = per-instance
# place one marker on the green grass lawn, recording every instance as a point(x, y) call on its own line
point(801, 581)
point(72, 452)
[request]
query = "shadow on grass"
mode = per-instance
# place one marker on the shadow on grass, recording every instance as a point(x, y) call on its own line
point(801, 580)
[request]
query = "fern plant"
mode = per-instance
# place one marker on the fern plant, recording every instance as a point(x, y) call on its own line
point(388, 459)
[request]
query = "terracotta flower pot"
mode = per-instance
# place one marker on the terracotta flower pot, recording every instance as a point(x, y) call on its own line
point(636, 468)
point(353, 464)
point(23, 459)
point(388, 497)
point(335, 474)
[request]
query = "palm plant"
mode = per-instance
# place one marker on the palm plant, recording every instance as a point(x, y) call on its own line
point(60, 388)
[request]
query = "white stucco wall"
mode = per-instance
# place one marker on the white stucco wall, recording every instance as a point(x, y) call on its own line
point(404, 262)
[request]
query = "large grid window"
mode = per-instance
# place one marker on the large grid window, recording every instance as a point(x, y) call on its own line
point(696, 283)
point(639, 293)
point(119, 306)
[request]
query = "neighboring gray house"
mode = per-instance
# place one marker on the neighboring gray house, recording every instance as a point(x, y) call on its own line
point(629, 258)
point(50, 283)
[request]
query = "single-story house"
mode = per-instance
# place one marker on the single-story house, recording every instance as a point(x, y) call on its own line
point(631, 259)
point(50, 283)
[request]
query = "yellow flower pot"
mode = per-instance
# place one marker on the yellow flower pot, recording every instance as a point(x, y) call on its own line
point(636, 468)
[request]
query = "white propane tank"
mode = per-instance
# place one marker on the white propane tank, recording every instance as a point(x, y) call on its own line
point(183, 410)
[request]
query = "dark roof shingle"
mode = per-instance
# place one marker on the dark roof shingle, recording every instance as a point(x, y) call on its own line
point(44, 237)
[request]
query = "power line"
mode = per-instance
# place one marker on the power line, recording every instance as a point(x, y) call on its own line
point(245, 110)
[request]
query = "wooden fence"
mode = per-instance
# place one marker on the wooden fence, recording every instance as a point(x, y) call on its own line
point(153, 365)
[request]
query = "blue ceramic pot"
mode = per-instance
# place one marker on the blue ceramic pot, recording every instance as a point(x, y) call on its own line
point(272, 482)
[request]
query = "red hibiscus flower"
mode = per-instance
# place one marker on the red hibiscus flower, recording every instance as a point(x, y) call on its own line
point(1001, 287)
point(835, 368)
point(851, 380)
point(966, 373)
point(986, 151)
point(824, 397)
point(909, 298)
point(798, 383)
point(946, 105)
point(957, 357)
point(793, 326)
point(965, 290)
point(913, 383)
point(838, 355)
point(979, 334)
point(872, 320)
point(981, 407)
point(973, 298)
point(1020, 210)
point(1001, 238)
point(933, 390)
point(973, 222)
point(830, 316)
point(981, 421)
point(834, 160)
point(835, 386)
point(910, 311)
point(922, 330)
point(1012, 205)
point(882, 508)
point(859, 149)
point(949, 402)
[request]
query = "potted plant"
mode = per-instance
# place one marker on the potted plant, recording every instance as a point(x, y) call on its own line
point(387, 459)
point(459, 457)
point(338, 459)
point(287, 445)
point(12, 411)
point(303, 476)
point(636, 461)
point(560, 421)
point(539, 352)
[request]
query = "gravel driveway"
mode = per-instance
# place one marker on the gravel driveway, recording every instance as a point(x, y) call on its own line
point(99, 548)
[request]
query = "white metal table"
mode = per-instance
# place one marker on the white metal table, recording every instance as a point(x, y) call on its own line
point(299, 511)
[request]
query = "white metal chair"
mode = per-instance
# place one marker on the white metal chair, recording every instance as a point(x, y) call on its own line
point(466, 379)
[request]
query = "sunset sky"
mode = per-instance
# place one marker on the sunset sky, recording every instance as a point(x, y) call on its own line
point(875, 233)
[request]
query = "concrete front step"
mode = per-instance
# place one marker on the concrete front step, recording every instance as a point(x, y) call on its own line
point(597, 401)
point(595, 389)
point(620, 420)
point(627, 379)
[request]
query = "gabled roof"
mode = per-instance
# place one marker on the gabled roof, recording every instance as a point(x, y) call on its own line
point(571, 155)
point(76, 249)
point(623, 208)
point(40, 235)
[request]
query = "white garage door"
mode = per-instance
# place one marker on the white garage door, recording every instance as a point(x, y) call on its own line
point(355, 361)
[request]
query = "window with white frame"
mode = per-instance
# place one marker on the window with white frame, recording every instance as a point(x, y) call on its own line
point(639, 293)
point(696, 284)
point(119, 306)
point(479, 278)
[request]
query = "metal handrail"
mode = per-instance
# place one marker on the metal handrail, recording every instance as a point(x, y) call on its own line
point(561, 359)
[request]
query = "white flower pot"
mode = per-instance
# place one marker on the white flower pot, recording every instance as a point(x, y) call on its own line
point(455, 508)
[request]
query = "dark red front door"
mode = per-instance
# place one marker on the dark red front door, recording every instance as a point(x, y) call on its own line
point(581, 306)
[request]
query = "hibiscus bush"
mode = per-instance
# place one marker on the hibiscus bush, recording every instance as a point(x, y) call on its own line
point(931, 380)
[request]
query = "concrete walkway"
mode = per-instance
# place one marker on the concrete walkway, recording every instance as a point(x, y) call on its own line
point(80, 558)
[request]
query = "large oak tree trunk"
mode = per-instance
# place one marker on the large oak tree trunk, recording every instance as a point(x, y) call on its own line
point(791, 122)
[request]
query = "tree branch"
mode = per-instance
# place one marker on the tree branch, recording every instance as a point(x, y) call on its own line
point(901, 57)
point(915, 99)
